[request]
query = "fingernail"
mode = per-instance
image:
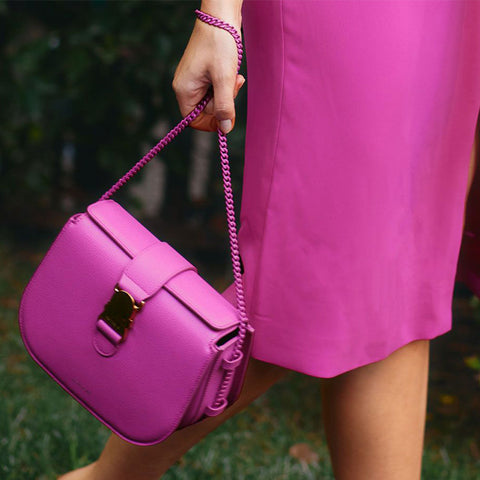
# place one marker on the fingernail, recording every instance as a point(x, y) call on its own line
point(225, 126)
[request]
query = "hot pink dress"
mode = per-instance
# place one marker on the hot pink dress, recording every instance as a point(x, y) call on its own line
point(360, 122)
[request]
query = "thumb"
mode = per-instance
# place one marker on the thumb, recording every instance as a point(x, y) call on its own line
point(223, 103)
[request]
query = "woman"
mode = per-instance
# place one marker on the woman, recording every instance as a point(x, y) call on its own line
point(360, 128)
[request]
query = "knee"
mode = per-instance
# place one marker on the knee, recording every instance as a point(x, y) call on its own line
point(266, 372)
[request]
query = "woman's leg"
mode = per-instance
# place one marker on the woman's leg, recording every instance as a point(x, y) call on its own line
point(375, 416)
point(121, 460)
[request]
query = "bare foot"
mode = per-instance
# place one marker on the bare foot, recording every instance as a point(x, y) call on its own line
point(84, 473)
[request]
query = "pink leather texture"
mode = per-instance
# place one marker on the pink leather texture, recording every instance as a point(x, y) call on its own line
point(147, 386)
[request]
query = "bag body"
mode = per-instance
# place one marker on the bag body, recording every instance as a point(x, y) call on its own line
point(162, 368)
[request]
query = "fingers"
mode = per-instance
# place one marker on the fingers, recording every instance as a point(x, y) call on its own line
point(224, 109)
point(220, 108)
point(187, 102)
point(188, 92)
point(240, 80)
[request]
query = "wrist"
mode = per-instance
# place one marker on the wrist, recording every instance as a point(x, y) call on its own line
point(229, 11)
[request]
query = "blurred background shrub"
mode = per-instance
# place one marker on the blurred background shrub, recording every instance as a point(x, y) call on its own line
point(82, 86)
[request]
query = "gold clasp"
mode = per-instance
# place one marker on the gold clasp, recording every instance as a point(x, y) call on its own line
point(120, 311)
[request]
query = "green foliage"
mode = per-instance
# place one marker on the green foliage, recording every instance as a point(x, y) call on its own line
point(96, 73)
point(474, 303)
point(473, 362)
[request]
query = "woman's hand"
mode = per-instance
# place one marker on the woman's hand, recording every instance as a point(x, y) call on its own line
point(210, 59)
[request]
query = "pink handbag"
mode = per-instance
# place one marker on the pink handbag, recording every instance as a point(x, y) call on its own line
point(125, 324)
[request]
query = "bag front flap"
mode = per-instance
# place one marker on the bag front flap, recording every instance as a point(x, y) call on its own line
point(188, 286)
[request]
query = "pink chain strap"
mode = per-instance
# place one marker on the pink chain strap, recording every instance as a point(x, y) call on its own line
point(220, 400)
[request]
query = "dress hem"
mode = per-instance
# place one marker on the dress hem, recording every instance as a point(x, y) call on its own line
point(383, 356)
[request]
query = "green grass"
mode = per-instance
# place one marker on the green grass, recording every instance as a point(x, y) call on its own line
point(44, 432)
